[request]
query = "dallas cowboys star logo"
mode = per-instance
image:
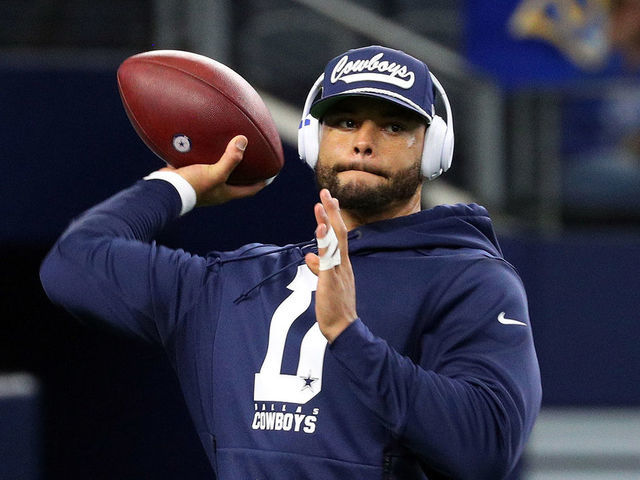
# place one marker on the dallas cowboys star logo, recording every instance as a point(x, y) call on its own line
point(308, 381)
point(181, 143)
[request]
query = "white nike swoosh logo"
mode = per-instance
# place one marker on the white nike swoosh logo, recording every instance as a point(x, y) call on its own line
point(509, 321)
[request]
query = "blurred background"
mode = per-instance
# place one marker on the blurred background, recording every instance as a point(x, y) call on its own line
point(546, 102)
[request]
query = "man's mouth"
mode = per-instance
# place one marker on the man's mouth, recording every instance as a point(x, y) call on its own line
point(357, 167)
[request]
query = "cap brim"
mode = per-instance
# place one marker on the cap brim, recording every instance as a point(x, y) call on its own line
point(320, 107)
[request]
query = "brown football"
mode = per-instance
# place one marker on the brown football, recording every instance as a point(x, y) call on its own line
point(186, 107)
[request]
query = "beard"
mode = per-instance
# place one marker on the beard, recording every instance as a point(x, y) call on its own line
point(370, 200)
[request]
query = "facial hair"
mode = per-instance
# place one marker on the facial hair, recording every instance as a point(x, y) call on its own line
point(367, 200)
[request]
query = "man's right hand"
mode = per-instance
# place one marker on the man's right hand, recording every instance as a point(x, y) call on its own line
point(210, 181)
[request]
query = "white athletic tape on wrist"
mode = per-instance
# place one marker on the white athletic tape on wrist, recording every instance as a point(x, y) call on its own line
point(331, 257)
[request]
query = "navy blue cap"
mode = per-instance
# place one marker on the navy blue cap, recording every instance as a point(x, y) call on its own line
point(381, 72)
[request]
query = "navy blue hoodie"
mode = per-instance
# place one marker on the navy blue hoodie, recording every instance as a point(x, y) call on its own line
point(438, 378)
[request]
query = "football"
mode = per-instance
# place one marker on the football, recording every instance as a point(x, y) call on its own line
point(186, 107)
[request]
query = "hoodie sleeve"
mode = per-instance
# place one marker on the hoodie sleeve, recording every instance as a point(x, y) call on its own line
point(467, 406)
point(106, 267)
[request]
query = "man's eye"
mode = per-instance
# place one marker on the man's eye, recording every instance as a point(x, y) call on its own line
point(394, 128)
point(346, 123)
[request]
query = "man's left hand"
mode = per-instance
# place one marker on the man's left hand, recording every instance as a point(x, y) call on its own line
point(336, 292)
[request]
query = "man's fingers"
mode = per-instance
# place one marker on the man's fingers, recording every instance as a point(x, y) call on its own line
point(331, 208)
point(230, 159)
point(242, 191)
point(323, 224)
point(210, 180)
point(313, 262)
point(328, 245)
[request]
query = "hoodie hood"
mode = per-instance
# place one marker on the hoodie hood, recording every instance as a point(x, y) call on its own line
point(442, 227)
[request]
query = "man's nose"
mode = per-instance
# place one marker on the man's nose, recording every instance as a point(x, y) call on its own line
point(364, 142)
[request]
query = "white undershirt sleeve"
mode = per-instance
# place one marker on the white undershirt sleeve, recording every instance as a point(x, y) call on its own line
point(184, 188)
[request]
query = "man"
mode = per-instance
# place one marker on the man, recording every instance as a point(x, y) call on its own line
point(413, 359)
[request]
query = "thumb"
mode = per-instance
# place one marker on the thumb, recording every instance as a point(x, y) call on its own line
point(313, 262)
point(230, 159)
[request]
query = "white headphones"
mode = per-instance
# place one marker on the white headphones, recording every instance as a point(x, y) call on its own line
point(437, 152)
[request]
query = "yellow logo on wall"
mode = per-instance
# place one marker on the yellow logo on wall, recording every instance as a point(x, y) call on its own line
point(578, 28)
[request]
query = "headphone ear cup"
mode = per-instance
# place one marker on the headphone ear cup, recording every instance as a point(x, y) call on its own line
point(308, 142)
point(447, 150)
point(433, 151)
